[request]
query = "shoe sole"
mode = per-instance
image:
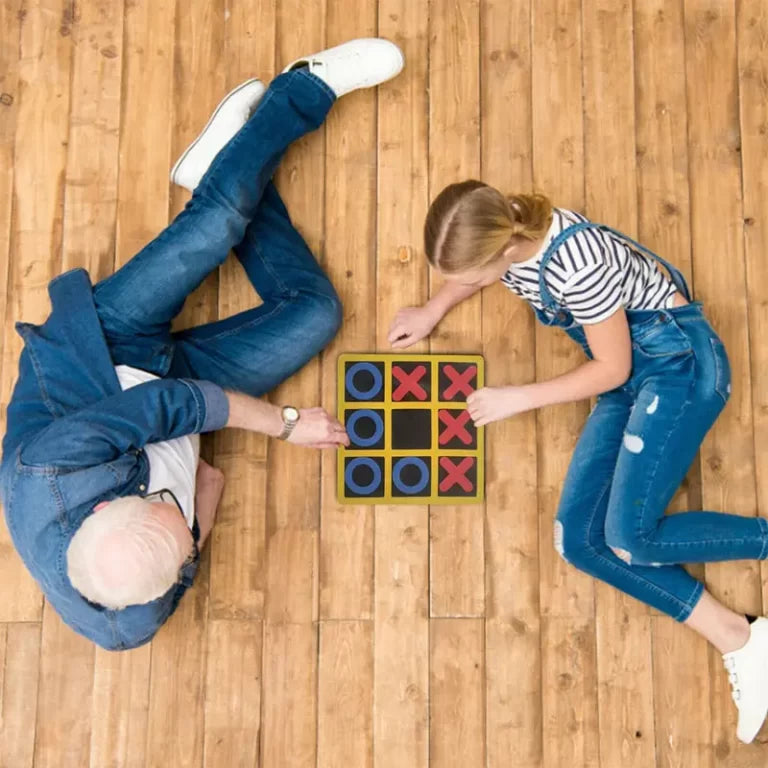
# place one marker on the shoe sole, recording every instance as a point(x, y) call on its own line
point(218, 109)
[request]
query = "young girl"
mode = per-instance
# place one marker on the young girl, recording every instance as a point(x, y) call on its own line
point(662, 377)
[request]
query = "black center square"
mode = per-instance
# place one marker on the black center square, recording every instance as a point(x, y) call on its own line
point(364, 381)
point(363, 477)
point(455, 381)
point(365, 427)
point(411, 428)
point(411, 381)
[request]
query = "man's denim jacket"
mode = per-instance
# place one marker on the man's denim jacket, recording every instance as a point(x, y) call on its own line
point(75, 439)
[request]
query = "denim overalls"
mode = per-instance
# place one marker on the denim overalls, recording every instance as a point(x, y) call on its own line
point(636, 448)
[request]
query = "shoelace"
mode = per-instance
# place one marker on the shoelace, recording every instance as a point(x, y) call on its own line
point(733, 678)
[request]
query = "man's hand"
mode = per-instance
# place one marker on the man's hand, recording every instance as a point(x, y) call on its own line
point(208, 489)
point(317, 429)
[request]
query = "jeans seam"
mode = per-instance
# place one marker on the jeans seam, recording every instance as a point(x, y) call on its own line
point(317, 81)
point(691, 602)
point(651, 475)
point(764, 525)
point(249, 324)
point(713, 342)
point(268, 267)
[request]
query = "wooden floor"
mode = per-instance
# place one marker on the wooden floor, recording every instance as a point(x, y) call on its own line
point(402, 637)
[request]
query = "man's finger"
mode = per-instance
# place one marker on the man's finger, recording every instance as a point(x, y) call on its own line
point(396, 332)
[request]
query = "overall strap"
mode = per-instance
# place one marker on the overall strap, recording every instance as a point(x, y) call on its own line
point(548, 300)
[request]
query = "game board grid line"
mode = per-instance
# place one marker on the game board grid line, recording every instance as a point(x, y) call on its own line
point(411, 405)
point(400, 453)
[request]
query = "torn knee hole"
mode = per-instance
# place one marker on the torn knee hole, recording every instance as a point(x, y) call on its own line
point(622, 554)
point(558, 537)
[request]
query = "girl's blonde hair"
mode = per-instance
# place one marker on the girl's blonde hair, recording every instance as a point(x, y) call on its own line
point(470, 223)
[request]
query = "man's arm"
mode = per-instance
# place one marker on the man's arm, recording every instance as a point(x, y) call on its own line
point(162, 410)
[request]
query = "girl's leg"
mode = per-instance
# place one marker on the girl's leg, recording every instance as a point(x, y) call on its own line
point(673, 411)
point(725, 629)
point(255, 350)
point(140, 300)
point(580, 523)
point(580, 539)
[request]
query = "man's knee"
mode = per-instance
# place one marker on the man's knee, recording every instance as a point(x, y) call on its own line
point(323, 318)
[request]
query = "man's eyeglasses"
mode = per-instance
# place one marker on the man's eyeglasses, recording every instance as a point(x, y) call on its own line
point(167, 496)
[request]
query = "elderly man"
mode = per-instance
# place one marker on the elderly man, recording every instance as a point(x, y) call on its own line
point(104, 493)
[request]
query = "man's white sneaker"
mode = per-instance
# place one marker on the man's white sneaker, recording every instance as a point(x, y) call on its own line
point(748, 673)
point(227, 119)
point(361, 63)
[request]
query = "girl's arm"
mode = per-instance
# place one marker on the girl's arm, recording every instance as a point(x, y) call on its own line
point(610, 368)
point(411, 324)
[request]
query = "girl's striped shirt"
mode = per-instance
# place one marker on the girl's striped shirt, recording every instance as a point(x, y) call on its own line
point(593, 273)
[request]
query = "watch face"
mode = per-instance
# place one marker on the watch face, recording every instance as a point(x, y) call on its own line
point(290, 414)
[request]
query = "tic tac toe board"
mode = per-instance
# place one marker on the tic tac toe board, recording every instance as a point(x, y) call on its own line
point(411, 438)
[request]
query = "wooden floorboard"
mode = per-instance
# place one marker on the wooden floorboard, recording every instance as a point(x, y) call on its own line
point(320, 635)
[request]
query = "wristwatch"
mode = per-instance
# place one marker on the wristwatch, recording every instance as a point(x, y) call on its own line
point(291, 417)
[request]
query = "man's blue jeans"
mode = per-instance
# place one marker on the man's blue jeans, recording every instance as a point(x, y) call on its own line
point(633, 454)
point(235, 206)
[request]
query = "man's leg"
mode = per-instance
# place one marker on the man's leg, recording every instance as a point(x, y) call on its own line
point(137, 303)
point(255, 350)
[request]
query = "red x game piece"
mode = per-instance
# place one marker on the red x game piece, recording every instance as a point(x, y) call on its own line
point(456, 474)
point(455, 427)
point(461, 382)
point(409, 382)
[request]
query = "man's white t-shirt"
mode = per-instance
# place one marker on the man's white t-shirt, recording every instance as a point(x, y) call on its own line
point(172, 463)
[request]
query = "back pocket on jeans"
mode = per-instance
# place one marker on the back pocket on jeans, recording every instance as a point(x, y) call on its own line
point(722, 368)
point(664, 338)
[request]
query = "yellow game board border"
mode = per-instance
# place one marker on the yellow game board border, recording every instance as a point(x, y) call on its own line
point(388, 454)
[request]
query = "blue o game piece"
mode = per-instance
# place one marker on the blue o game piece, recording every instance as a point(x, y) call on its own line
point(363, 490)
point(349, 382)
point(365, 442)
point(410, 461)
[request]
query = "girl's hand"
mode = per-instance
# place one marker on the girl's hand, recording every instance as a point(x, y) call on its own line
point(493, 403)
point(411, 324)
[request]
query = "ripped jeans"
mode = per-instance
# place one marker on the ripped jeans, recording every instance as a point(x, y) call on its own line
point(634, 452)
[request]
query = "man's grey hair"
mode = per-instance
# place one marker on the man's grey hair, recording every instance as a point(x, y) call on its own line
point(123, 555)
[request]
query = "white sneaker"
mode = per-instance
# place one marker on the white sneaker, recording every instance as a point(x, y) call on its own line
point(227, 119)
point(360, 63)
point(748, 673)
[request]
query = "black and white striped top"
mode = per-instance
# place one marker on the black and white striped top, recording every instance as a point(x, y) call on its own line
point(592, 274)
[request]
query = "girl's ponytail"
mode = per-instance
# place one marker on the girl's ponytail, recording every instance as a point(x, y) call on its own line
point(469, 224)
point(532, 215)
